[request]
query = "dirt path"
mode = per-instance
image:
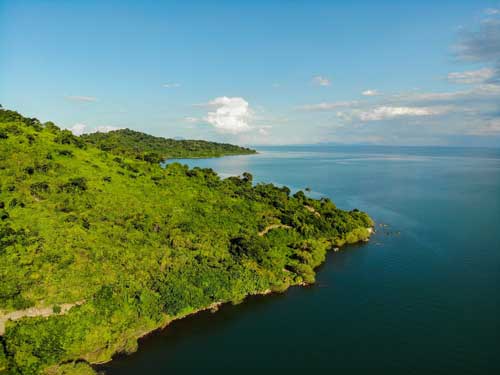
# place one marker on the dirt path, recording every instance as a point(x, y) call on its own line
point(272, 226)
point(313, 210)
point(34, 311)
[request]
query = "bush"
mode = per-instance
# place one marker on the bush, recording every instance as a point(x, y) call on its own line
point(78, 184)
point(39, 187)
point(65, 152)
point(51, 127)
point(65, 137)
point(3, 357)
point(4, 215)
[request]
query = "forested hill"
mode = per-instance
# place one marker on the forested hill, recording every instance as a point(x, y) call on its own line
point(143, 146)
point(98, 249)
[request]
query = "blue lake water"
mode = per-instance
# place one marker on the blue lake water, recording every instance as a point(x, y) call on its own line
point(423, 296)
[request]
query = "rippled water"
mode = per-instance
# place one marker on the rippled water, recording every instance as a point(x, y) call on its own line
point(423, 296)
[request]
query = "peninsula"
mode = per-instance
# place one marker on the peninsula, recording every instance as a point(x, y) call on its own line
point(100, 245)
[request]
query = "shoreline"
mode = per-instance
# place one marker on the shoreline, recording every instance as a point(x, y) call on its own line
point(129, 343)
point(208, 157)
point(213, 306)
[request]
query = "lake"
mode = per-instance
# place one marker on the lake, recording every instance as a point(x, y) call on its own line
point(423, 296)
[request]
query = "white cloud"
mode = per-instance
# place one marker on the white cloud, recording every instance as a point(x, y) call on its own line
point(386, 112)
point(488, 89)
point(492, 11)
point(489, 128)
point(231, 115)
point(321, 81)
point(327, 106)
point(78, 129)
point(344, 116)
point(471, 76)
point(477, 92)
point(481, 45)
point(106, 129)
point(263, 132)
point(370, 93)
point(77, 98)
point(430, 96)
point(171, 85)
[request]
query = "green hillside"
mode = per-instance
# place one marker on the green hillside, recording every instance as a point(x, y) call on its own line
point(137, 145)
point(111, 247)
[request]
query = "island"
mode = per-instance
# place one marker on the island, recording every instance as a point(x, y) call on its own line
point(100, 244)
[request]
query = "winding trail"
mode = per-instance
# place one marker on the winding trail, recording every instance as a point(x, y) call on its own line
point(33, 312)
point(272, 226)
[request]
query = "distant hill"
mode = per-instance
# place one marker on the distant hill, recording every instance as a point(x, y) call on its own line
point(146, 147)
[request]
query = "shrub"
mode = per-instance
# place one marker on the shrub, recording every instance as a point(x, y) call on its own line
point(65, 152)
point(39, 187)
point(77, 184)
point(4, 215)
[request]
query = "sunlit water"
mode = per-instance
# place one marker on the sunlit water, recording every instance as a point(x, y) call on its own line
point(422, 297)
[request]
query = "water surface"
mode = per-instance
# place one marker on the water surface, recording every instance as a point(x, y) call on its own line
point(423, 296)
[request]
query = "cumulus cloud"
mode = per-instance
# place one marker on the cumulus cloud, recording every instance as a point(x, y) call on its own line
point(171, 85)
point(321, 81)
point(106, 129)
point(77, 98)
point(78, 129)
point(230, 115)
point(370, 93)
point(386, 112)
point(471, 76)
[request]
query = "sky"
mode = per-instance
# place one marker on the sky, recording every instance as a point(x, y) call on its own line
point(259, 72)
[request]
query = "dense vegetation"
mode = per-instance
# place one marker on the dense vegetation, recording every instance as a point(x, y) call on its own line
point(140, 146)
point(135, 244)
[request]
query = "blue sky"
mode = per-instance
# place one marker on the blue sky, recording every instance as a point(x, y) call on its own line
point(259, 72)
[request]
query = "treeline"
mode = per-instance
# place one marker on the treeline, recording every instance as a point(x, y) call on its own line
point(133, 144)
point(141, 146)
point(139, 244)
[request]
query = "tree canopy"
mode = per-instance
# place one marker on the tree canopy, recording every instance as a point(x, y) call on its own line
point(133, 245)
point(141, 146)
